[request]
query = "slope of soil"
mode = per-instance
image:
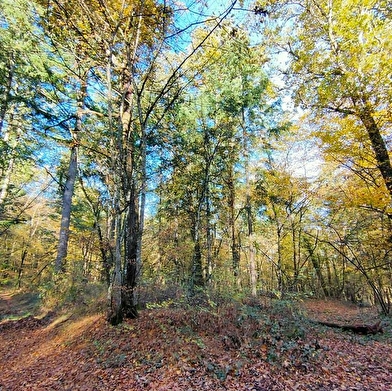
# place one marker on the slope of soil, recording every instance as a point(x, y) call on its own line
point(233, 347)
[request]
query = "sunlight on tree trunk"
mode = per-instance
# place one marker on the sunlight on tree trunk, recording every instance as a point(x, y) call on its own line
point(68, 190)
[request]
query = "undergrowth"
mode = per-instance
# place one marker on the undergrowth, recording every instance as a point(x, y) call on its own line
point(276, 332)
point(78, 295)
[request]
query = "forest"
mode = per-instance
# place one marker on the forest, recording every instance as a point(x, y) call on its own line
point(211, 176)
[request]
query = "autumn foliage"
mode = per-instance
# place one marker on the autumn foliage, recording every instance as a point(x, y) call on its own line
point(249, 345)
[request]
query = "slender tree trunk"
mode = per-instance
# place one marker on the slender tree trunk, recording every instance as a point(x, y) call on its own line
point(5, 176)
point(5, 99)
point(208, 238)
point(141, 211)
point(235, 254)
point(252, 267)
point(115, 315)
point(197, 279)
point(115, 312)
point(248, 209)
point(20, 269)
point(296, 270)
point(197, 267)
point(104, 246)
point(279, 264)
point(6, 182)
point(252, 250)
point(131, 254)
point(134, 170)
point(180, 272)
point(106, 254)
point(131, 193)
point(69, 186)
point(317, 267)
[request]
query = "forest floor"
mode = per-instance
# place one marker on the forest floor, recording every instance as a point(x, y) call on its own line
point(260, 346)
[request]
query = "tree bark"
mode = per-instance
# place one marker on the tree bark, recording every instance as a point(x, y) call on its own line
point(129, 307)
point(316, 265)
point(356, 328)
point(115, 314)
point(235, 254)
point(5, 99)
point(252, 250)
point(197, 268)
point(5, 175)
point(279, 263)
point(6, 182)
point(69, 186)
point(20, 269)
point(379, 147)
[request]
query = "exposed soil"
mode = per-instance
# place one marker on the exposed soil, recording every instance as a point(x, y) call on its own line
point(232, 347)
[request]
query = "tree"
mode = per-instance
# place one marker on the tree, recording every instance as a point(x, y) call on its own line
point(284, 199)
point(339, 64)
point(23, 60)
point(125, 48)
point(212, 137)
point(353, 239)
point(71, 36)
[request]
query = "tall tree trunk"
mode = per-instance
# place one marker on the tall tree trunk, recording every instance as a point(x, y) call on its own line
point(129, 307)
point(140, 207)
point(316, 265)
point(252, 250)
point(208, 239)
point(68, 191)
point(248, 208)
point(197, 279)
point(180, 275)
point(104, 246)
point(279, 263)
point(5, 176)
point(5, 99)
point(6, 179)
point(296, 269)
point(131, 194)
point(134, 166)
point(197, 267)
point(115, 230)
point(20, 269)
point(235, 254)
point(69, 186)
point(115, 315)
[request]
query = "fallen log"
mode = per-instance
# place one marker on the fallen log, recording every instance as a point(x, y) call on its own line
point(363, 329)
